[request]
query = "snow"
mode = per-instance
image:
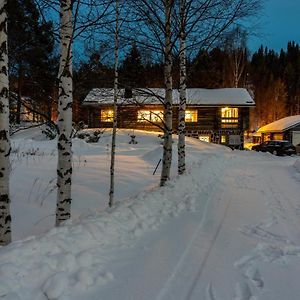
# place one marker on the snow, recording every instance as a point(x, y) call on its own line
point(195, 96)
point(281, 125)
point(228, 229)
point(297, 165)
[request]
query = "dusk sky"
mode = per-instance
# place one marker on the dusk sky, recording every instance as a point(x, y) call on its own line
point(279, 23)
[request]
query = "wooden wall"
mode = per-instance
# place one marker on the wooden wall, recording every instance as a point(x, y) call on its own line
point(209, 119)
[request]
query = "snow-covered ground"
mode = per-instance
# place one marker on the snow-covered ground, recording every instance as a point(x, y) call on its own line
point(229, 229)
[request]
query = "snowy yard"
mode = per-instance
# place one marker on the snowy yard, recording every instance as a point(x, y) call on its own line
point(229, 229)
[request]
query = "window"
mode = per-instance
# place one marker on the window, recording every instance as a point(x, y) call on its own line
point(155, 116)
point(223, 139)
point(191, 116)
point(107, 115)
point(278, 136)
point(204, 138)
point(228, 112)
point(229, 117)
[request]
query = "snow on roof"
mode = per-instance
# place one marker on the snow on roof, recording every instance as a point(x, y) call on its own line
point(281, 125)
point(102, 96)
point(195, 96)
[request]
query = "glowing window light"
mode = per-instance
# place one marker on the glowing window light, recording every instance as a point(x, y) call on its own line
point(230, 112)
point(229, 117)
point(223, 139)
point(204, 138)
point(107, 115)
point(155, 116)
point(191, 116)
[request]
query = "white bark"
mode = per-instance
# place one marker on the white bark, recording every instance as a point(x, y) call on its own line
point(115, 120)
point(5, 218)
point(64, 166)
point(168, 103)
point(182, 92)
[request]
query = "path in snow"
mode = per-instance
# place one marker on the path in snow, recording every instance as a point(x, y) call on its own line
point(235, 246)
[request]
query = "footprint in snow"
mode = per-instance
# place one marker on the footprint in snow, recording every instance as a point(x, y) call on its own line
point(243, 292)
point(210, 293)
point(253, 274)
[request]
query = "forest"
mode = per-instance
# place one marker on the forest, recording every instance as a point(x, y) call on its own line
point(272, 78)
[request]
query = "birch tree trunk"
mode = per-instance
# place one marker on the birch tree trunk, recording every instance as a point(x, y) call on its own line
point(5, 218)
point(168, 103)
point(64, 146)
point(182, 92)
point(115, 120)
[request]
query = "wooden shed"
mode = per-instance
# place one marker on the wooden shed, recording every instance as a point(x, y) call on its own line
point(284, 129)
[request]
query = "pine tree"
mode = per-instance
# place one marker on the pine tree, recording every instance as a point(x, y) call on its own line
point(31, 46)
point(132, 69)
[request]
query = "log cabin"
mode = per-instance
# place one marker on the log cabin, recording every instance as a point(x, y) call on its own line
point(213, 115)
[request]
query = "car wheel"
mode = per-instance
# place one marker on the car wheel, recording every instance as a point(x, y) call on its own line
point(274, 152)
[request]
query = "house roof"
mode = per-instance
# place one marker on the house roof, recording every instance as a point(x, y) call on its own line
point(281, 125)
point(195, 96)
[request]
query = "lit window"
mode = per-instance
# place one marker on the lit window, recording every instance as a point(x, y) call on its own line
point(223, 139)
point(230, 117)
point(155, 116)
point(107, 115)
point(204, 138)
point(191, 116)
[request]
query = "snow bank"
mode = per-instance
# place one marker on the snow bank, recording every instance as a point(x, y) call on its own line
point(72, 257)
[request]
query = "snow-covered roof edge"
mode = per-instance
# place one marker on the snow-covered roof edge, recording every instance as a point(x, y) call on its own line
point(196, 96)
point(281, 124)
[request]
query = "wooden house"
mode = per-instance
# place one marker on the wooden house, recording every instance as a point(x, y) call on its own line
point(212, 115)
point(284, 129)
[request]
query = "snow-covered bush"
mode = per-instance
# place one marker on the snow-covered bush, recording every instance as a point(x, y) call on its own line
point(50, 130)
point(90, 136)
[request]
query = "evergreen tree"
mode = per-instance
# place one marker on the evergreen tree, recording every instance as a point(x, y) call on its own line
point(132, 69)
point(32, 65)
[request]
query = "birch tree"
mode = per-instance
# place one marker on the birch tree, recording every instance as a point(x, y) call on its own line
point(236, 51)
point(77, 19)
point(153, 29)
point(168, 103)
point(64, 146)
point(203, 22)
point(115, 117)
point(5, 218)
point(182, 90)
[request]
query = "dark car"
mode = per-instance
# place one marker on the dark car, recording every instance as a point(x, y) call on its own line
point(276, 147)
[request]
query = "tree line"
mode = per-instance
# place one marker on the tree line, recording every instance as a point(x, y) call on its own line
point(272, 78)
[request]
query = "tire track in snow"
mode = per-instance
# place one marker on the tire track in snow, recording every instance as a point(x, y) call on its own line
point(198, 276)
point(185, 256)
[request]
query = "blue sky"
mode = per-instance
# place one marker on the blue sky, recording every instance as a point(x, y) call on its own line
point(279, 23)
